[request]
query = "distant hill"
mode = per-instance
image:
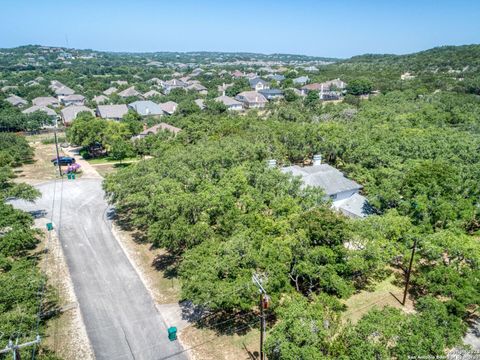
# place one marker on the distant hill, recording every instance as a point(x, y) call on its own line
point(444, 57)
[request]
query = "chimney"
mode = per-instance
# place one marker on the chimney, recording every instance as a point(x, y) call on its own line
point(272, 163)
point(317, 159)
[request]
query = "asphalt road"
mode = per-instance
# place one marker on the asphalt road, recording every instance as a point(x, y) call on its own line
point(121, 319)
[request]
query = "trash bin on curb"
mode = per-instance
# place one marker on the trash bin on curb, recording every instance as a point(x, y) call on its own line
point(172, 333)
point(49, 226)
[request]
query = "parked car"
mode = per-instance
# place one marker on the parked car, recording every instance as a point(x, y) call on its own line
point(64, 160)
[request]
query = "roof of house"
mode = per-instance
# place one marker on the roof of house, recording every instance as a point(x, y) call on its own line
point(271, 92)
point(228, 101)
point(331, 180)
point(100, 99)
point(129, 92)
point(70, 112)
point(169, 107)
point(110, 91)
point(251, 97)
point(301, 80)
point(146, 107)
point(151, 93)
point(200, 103)
point(44, 101)
point(354, 206)
point(112, 111)
point(197, 87)
point(253, 82)
point(64, 90)
point(16, 100)
point(40, 108)
point(175, 82)
point(74, 97)
point(276, 77)
point(159, 127)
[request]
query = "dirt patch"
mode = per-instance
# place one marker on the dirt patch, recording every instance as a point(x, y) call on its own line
point(385, 293)
point(66, 335)
point(41, 168)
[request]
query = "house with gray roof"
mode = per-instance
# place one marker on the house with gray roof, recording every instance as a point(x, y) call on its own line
point(156, 129)
point(202, 90)
point(110, 91)
point(146, 108)
point(63, 91)
point(70, 113)
point(45, 109)
point(17, 101)
point(169, 107)
point(230, 103)
point(343, 192)
point(151, 93)
point(75, 99)
point(128, 92)
point(301, 80)
point(276, 77)
point(252, 99)
point(272, 94)
point(100, 99)
point(112, 112)
point(200, 103)
point(258, 84)
point(45, 101)
point(173, 84)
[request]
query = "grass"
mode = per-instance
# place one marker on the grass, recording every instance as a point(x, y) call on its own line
point(384, 293)
point(107, 160)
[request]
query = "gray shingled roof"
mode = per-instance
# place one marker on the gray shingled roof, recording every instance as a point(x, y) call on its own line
point(112, 111)
point(146, 107)
point(64, 90)
point(44, 101)
point(331, 180)
point(129, 92)
point(45, 109)
point(227, 101)
point(354, 206)
point(110, 91)
point(70, 112)
point(169, 107)
point(16, 100)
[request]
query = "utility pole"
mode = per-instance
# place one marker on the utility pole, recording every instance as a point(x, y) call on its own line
point(14, 348)
point(262, 304)
point(58, 155)
point(407, 282)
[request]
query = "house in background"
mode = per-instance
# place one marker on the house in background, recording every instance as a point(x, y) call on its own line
point(258, 84)
point(173, 84)
point(276, 77)
point(302, 80)
point(156, 129)
point(169, 107)
point(112, 112)
point(202, 90)
point(151, 93)
point(74, 99)
point(45, 109)
point(343, 192)
point(230, 103)
point(63, 92)
point(146, 108)
point(328, 90)
point(100, 99)
point(272, 94)
point(17, 101)
point(45, 101)
point(128, 92)
point(200, 103)
point(252, 99)
point(70, 113)
point(110, 91)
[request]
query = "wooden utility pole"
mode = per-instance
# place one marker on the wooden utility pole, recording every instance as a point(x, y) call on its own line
point(263, 297)
point(407, 282)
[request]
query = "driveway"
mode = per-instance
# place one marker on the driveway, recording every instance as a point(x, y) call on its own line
point(120, 316)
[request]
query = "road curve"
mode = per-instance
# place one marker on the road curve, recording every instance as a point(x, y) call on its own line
point(120, 316)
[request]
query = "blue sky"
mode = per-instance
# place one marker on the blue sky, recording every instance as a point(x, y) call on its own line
point(325, 28)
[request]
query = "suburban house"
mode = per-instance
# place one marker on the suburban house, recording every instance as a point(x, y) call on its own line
point(17, 101)
point(119, 82)
point(276, 77)
point(63, 91)
point(230, 103)
point(407, 76)
point(258, 84)
point(237, 74)
point(156, 129)
point(169, 107)
point(328, 90)
point(45, 109)
point(128, 92)
point(202, 90)
point(74, 99)
point(272, 94)
point(200, 103)
point(100, 99)
point(70, 113)
point(45, 101)
point(343, 192)
point(173, 84)
point(252, 99)
point(222, 88)
point(302, 80)
point(113, 112)
point(151, 93)
point(146, 108)
point(110, 91)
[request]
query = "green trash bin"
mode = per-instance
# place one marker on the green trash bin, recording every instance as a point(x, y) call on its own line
point(49, 226)
point(172, 333)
